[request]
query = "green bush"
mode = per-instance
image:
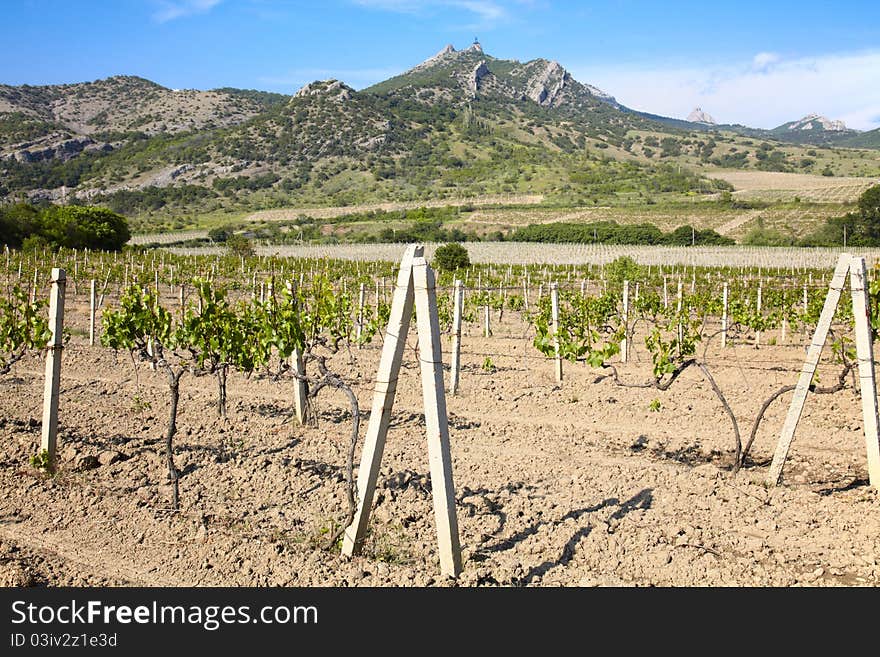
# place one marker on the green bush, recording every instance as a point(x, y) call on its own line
point(450, 257)
point(79, 227)
point(70, 226)
point(622, 269)
point(220, 234)
point(239, 245)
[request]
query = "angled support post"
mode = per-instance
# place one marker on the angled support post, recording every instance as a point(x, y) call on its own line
point(809, 369)
point(415, 287)
point(383, 400)
point(858, 277)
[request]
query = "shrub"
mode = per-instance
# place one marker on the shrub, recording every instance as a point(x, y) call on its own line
point(71, 226)
point(219, 234)
point(239, 245)
point(450, 257)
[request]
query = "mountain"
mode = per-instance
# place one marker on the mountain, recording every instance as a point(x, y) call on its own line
point(815, 123)
point(699, 116)
point(461, 123)
point(814, 129)
point(868, 139)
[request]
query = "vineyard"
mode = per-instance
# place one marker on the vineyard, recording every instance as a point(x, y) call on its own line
point(611, 423)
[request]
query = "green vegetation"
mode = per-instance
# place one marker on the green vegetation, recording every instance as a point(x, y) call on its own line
point(610, 232)
point(450, 257)
point(23, 327)
point(859, 228)
point(70, 226)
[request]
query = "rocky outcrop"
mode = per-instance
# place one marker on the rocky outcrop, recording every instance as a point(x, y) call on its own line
point(546, 87)
point(333, 89)
point(443, 54)
point(814, 121)
point(699, 116)
point(477, 74)
point(50, 149)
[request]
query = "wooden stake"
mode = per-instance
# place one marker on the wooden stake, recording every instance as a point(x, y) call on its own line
point(724, 297)
point(487, 328)
point(858, 277)
point(554, 307)
point(678, 310)
point(457, 302)
point(809, 369)
point(383, 399)
point(436, 421)
point(758, 312)
point(624, 344)
point(49, 434)
point(360, 316)
point(300, 391)
point(92, 313)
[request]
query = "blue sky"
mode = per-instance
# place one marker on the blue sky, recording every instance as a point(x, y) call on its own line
point(756, 63)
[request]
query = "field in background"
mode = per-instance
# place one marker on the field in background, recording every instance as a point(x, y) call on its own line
point(796, 204)
point(573, 254)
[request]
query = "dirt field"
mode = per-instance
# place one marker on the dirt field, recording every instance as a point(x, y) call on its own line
point(581, 484)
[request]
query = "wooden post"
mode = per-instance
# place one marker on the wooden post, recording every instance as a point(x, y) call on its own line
point(554, 307)
point(758, 312)
point(436, 421)
point(487, 329)
point(383, 399)
point(360, 317)
point(49, 434)
point(724, 295)
point(92, 313)
point(300, 391)
point(665, 294)
point(858, 277)
point(376, 302)
point(624, 344)
point(809, 369)
point(678, 310)
point(457, 302)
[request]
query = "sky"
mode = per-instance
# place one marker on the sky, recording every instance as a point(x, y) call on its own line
point(757, 63)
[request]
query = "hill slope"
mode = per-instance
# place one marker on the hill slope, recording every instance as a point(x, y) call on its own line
point(461, 124)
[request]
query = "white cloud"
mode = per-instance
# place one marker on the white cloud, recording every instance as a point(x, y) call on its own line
point(764, 60)
point(488, 11)
point(839, 86)
point(169, 10)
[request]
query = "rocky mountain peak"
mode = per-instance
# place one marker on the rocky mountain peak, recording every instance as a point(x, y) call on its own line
point(810, 121)
point(333, 89)
point(699, 116)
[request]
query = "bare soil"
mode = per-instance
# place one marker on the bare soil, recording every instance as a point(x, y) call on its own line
point(579, 484)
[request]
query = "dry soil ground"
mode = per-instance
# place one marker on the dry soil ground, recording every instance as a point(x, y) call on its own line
point(578, 484)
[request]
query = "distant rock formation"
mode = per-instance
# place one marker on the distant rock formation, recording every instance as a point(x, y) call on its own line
point(480, 71)
point(332, 88)
point(699, 116)
point(448, 50)
point(545, 87)
point(812, 121)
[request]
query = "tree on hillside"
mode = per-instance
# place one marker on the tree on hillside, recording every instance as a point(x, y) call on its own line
point(869, 208)
point(452, 256)
point(859, 228)
point(70, 226)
